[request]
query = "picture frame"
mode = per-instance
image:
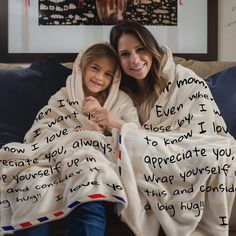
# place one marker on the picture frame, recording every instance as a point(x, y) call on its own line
point(8, 57)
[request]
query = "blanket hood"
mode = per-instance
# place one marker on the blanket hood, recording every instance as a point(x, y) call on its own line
point(74, 85)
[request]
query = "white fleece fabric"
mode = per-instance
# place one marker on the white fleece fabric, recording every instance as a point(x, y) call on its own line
point(57, 168)
point(179, 170)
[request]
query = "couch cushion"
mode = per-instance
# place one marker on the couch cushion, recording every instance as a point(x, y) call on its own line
point(204, 68)
point(55, 75)
point(23, 92)
point(223, 88)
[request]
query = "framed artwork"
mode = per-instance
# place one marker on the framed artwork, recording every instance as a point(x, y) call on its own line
point(33, 30)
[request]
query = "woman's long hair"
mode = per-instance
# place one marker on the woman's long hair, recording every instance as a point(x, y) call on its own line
point(156, 81)
point(94, 52)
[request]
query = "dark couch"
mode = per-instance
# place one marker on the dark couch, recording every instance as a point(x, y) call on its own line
point(24, 91)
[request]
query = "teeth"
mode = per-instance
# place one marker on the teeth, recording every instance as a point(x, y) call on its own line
point(138, 68)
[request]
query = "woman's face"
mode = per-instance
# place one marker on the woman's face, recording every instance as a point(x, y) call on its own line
point(98, 76)
point(135, 60)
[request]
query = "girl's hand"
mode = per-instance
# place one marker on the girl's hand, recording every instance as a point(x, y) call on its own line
point(90, 103)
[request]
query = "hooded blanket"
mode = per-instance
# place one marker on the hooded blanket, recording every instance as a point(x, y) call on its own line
point(179, 170)
point(58, 167)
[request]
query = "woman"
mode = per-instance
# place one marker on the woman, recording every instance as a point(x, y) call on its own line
point(143, 79)
point(176, 176)
point(68, 159)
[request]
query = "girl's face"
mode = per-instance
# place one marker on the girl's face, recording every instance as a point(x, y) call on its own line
point(135, 60)
point(98, 76)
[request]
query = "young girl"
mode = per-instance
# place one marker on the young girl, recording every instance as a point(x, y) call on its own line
point(172, 156)
point(93, 105)
point(100, 77)
point(100, 71)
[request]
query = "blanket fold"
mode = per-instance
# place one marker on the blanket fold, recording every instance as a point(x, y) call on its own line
point(181, 166)
point(58, 167)
point(177, 171)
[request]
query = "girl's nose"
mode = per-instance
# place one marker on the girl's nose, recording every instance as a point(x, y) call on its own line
point(100, 75)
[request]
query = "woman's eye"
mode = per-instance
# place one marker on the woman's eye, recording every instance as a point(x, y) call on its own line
point(124, 54)
point(141, 49)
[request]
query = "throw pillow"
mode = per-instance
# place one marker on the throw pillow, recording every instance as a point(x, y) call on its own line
point(20, 99)
point(55, 75)
point(23, 92)
point(223, 88)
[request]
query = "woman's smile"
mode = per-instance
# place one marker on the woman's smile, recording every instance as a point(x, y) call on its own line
point(138, 68)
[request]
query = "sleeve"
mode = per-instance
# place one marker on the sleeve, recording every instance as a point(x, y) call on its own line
point(127, 110)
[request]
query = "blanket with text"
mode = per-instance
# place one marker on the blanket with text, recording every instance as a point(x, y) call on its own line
point(179, 170)
point(60, 165)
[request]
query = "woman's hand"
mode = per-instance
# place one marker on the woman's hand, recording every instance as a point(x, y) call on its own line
point(106, 119)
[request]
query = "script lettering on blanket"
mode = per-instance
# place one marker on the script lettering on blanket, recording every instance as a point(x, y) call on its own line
point(58, 165)
point(39, 181)
point(4, 203)
point(179, 183)
point(175, 155)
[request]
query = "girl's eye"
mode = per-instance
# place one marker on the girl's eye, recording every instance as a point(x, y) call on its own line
point(94, 68)
point(109, 75)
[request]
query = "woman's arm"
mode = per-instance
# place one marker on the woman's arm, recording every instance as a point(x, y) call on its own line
point(107, 119)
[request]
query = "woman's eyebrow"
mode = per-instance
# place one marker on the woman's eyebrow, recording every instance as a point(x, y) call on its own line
point(124, 50)
point(137, 46)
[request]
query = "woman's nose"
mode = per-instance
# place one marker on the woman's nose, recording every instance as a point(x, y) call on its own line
point(134, 58)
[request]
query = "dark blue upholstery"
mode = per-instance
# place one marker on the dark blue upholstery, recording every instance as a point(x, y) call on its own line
point(223, 88)
point(23, 92)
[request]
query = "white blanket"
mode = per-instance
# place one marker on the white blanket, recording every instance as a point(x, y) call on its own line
point(179, 171)
point(57, 168)
point(164, 174)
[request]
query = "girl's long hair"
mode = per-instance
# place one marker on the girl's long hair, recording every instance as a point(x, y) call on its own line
point(94, 52)
point(156, 81)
